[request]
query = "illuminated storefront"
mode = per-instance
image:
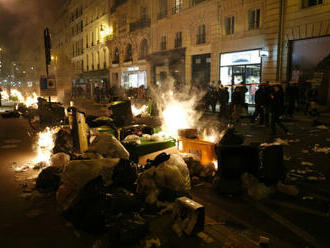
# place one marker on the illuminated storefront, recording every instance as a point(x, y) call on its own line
point(241, 68)
point(133, 77)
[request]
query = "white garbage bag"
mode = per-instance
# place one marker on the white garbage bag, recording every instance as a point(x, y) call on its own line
point(60, 160)
point(108, 146)
point(78, 173)
point(172, 174)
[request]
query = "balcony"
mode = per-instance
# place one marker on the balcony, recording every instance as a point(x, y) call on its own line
point(161, 15)
point(140, 24)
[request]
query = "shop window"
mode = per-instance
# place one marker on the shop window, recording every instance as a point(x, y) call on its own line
point(254, 19)
point(201, 35)
point(178, 40)
point(128, 56)
point(229, 25)
point(116, 56)
point(310, 3)
point(143, 49)
point(163, 43)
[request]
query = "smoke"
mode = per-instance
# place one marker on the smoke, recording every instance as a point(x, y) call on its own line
point(179, 107)
point(22, 24)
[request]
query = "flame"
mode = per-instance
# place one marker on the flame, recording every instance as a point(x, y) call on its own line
point(45, 145)
point(4, 95)
point(28, 101)
point(210, 135)
point(139, 111)
point(216, 166)
point(178, 114)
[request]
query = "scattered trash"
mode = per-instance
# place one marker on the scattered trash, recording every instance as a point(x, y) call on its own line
point(206, 238)
point(308, 198)
point(305, 151)
point(40, 165)
point(152, 243)
point(189, 216)
point(132, 140)
point(287, 189)
point(307, 163)
point(304, 174)
point(264, 241)
point(322, 127)
point(254, 188)
point(317, 148)
point(286, 158)
point(279, 141)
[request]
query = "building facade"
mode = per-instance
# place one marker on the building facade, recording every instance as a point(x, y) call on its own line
point(143, 42)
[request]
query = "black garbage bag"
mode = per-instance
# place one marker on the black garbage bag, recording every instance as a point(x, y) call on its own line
point(229, 137)
point(126, 229)
point(87, 212)
point(49, 178)
point(63, 142)
point(125, 174)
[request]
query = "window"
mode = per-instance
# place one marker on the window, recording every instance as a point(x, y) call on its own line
point(128, 53)
point(143, 49)
point(194, 2)
point(163, 43)
point(162, 9)
point(201, 35)
point(254, 19)
point(87, 63)
point(87, 41)
point(178, 6)
point(229, 25)
point(143, 13)
point(116, 56)
point(105, 58)
point(178, 40)
point(310, 3)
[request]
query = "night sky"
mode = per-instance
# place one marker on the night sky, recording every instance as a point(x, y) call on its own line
point(21, 25)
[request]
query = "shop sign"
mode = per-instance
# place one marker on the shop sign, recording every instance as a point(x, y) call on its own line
point(133, 68)
point(241, 58)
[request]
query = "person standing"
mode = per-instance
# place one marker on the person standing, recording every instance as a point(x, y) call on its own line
point(223, 96)
point(259, 105)
point(276, 109)
point(236, 100)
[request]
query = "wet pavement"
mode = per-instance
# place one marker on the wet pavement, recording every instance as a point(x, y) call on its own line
point(29, 219)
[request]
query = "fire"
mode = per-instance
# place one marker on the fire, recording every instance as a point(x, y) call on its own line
point(4, 95)
point(139, 110)
point(215, 163)
point(45, 145)
point(210, 135)
point(28, 101)
point(178, 114)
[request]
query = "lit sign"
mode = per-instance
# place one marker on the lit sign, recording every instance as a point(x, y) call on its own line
point(241, 58)
point(133, 68)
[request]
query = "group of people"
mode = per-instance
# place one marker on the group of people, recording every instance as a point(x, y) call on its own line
point(217, 93)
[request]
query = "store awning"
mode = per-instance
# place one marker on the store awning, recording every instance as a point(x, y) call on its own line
point(100, 74)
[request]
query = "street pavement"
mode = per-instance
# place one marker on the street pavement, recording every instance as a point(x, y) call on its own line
point(31, 220)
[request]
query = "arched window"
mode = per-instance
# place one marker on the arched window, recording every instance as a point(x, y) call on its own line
point(128, 56)
point(116, 56)
point(143, 49)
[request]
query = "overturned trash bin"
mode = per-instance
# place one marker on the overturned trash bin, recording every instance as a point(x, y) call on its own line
point(121, 112)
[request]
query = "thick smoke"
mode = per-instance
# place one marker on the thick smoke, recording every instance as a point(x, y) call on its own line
point(22, 24)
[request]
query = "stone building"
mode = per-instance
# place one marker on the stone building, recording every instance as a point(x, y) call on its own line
point(143, 42)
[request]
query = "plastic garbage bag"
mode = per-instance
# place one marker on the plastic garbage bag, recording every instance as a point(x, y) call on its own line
point(60, 160)
point(78, 173)
point(108, 146)
point(172, 175)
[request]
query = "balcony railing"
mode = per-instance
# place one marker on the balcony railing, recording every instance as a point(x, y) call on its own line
point(162, 15)
point(140, 24)
point(116, 61)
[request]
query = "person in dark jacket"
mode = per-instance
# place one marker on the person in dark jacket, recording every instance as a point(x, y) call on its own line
point(223, 96)
point(276, 109)
point(236, 100)
point(291, 94)
point(260, 105)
